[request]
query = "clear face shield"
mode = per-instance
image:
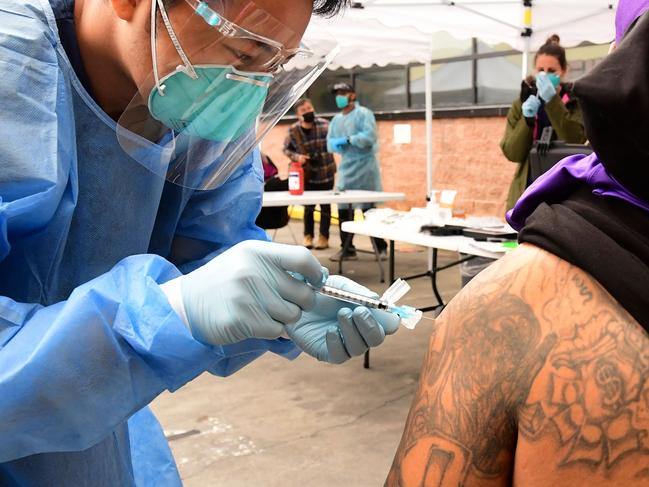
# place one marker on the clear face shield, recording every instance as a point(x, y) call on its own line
point(224, 73)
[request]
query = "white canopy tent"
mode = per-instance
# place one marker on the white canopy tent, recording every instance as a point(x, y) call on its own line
point(386, 32)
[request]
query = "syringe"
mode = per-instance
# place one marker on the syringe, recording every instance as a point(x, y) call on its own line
point(409, 316)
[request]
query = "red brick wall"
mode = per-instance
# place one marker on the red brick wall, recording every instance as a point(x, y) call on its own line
point(466, 157)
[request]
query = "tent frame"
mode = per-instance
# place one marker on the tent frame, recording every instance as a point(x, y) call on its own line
point(526, 30)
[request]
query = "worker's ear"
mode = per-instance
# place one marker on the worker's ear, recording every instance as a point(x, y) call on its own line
point(124, 9)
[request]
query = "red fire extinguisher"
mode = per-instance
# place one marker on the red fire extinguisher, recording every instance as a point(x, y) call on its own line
point(295, 178)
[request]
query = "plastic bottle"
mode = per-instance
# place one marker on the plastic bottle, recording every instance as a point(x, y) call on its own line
point(295, 178)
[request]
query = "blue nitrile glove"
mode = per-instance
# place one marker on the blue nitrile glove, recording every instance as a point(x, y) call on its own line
point(337, 143)
point(332, 332)
point(246, 292)
point(531, 106)
point(545, 88)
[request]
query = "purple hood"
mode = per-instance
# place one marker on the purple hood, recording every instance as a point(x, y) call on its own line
point(627, 13)
point(560, 181)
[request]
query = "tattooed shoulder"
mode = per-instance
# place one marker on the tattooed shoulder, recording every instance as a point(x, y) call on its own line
point(591, 399)
point(532, 358)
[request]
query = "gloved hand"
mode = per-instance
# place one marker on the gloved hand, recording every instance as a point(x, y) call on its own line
point(333, 332)
point(531, 106)
point(246, 292)
point(337, 143)
point(528, 87)
point(546, 89)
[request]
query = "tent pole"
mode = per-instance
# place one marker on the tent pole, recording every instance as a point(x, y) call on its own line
point(429, 136)
point(429, 128)
point(526, 56)
point(527, 36)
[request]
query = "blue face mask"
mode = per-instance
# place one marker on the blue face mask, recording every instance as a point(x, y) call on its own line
point(342, 101)
point(554, 78)
point(219, 105)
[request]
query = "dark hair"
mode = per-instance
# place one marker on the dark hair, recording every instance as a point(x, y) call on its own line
point(329, 8)
point(302, 101)
point(552, 47)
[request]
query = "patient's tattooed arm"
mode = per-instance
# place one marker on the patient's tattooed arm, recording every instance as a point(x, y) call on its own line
point(534, 354)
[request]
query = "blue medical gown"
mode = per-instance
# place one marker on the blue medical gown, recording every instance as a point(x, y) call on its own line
point(359, 168)
point(87, 338)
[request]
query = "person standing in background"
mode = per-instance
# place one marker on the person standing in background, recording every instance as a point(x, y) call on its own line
point(543, 102)
point(306, 143)
point(352, 134)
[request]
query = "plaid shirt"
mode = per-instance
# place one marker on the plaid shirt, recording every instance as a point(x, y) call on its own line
point(321, 168)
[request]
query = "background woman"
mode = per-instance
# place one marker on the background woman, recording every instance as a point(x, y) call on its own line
point(544, 101)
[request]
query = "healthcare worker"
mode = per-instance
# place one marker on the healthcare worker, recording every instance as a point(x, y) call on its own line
point(352, 134)
point(129, 258)
point(544, 101)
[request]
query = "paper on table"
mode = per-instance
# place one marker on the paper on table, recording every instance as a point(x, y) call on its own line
point(493, 247)
point(447, 198)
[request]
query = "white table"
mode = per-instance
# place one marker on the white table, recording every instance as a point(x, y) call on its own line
point(284, 198)
point(327, 197)
point(392, 233)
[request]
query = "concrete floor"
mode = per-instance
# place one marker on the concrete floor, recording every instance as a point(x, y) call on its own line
point(305, 423)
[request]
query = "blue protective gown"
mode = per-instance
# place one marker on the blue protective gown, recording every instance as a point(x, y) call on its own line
point(359, 168)
point(87, 338)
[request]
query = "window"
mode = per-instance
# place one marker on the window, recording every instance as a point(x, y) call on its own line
point(452, 81)
point(498, 79)
point(452, 84)
point(466, 72)
point(382, 90)
point(584, 58)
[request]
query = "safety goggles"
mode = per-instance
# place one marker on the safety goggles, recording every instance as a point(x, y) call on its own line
point(257, 53)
